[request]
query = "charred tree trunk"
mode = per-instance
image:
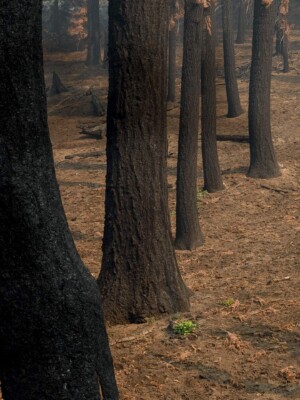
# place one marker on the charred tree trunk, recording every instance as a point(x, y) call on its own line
point(188, 232)
point(55, 18)
point(282, 38)
point(212, 173)
point(93, 22)
point(172, 55)
point(52, 335)
point(232, 91)
point(139, 276)
point(242, 20)
point(263, 162)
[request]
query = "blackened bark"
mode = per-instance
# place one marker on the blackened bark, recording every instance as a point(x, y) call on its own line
point(263, 162)
point(188, 232)
point(93, 22)
point(212, 173)
point(52, 335)
point(172, 64)
point(242, 19)
point(139, 275)
point(232, 91)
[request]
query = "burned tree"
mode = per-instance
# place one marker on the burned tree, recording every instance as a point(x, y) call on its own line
point(52, 335)
point(232, 91)
point(93, 22)
point(212, 174)
point(282, 33)
point(188, 231)
point(263, 163)
point(139, 276)
point(242, 21)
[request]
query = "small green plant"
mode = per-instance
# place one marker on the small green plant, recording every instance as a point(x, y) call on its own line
point(184, 328)
point(227, 302)
point(201, 193)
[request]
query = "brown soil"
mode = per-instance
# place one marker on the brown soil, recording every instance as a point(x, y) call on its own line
point(244, 348)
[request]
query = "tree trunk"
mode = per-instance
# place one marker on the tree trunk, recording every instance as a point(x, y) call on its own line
point(232, 91)
point(188, 232)
point(212, 173)
point(93, 22)
point(172, 55)
point(263, 162)
point(52, 334)
point(55, 18)
point(242, 20)
point(282, 38)
point(139, 276)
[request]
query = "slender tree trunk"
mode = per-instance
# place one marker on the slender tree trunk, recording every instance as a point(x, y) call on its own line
point(232, 91)
point(55, 18)
point(282, 33)
point(188, 232)
point(105, 51)
point(139, 276)
point(242, 20)
point(263, 162)
point(212, 174)
point(52, 335)
point(172, 54)
point(93, 21)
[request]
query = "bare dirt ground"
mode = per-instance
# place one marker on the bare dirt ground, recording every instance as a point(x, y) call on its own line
point(245, 278)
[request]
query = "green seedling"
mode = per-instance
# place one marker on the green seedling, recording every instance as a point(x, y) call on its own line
point(227, 302)
point(201, 193)
point(184, 328)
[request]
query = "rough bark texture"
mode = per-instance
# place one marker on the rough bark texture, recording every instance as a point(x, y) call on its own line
point(172, 64)
point(242, 20)
point(232, 91)
point(52, 335)
point(212, 173)
point(139, 276)
point(93, 22)
point(188, 232)
point(263, 162)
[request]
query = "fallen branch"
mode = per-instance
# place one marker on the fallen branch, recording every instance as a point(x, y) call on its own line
point(233, 138)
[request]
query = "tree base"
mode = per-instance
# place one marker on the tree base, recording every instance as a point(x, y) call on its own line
point(258, 172)
point(183, 243)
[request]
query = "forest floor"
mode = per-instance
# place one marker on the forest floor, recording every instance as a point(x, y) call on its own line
point(245, 278)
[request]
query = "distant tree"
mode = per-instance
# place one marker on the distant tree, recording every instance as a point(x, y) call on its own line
point(263, 163)
point(52, 335)
point(93, 23)
point(212, 173)
point(139, 275)
point(232, 91)
point(282, 33)
point(242, 21)
point(188, 231)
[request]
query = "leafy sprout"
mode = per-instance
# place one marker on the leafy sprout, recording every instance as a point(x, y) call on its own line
point(184, 328)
